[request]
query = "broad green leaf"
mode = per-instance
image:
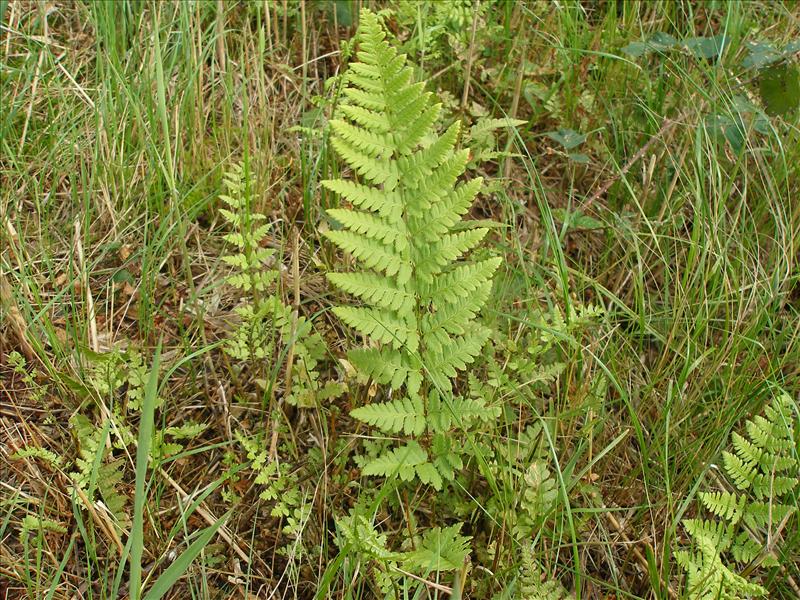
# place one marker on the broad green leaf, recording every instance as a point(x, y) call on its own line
point(568, 138)
point(442, 549)
point(760, 55)
point(723, 127)
point(576, 219)
point(580, 158)
point(706, 47)
point(662, 41)
point(658, 42)
point(345, 10)
point(636, 49)
point(779, 88)
point(178, 567)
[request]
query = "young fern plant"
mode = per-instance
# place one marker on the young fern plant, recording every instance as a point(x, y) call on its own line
point(264, 318)
point(745, 532)
point(419, 295)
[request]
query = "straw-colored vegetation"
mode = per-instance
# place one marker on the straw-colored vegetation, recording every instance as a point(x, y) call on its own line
point(436, 299)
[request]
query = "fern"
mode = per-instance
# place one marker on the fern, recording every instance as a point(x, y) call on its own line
point(761, 463)
point(264, 318)
point(277, 484)
point(532, 584)
point(98, 472)
point(420, 295)
point(441, 549)
point(39, 525)
point(29, 376)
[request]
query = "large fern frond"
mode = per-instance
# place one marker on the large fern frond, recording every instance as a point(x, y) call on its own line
point(420, 292)
point(762, 463)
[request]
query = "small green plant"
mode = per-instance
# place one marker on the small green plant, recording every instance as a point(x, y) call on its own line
point(264, 318)
point(533, 584)
point(98, 472)
point(276, 481)
point(439, 549)
point(745, 531)
point(36, 391)
point(420, 301)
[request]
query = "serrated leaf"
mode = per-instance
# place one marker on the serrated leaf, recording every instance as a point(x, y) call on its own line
point(706, 47)
point(568, 138)
point(442, 549)
point(636, 49)
point(779, 88)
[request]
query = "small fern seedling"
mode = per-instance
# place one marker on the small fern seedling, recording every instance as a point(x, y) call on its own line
point(264, 318)
point(253, 337)
point(97, 471)
point(420, 297)
point(745, 532)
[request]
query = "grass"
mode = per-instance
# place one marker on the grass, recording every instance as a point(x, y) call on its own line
point(118, 121)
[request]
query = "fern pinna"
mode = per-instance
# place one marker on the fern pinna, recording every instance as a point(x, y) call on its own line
point(763, 473)
point(420, 296)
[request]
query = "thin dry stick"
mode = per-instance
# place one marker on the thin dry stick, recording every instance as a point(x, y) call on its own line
point(285, 22)
point(208, 517)
point(268, 24)
point(102, 519)
point(221, 35)
point(35, 84)
point(304, 36)
point(665, 127)
point(471, 55)
point(90, 316)
point(641, 559)
point(11, 17)
point(201, 509)
point(431, 584)
point(515, 108)
point(15, 319)
point(287, 386)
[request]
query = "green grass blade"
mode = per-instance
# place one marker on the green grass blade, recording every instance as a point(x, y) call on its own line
point(142, 457)
point(180, 564)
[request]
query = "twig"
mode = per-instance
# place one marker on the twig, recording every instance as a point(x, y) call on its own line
point(665, 127)
point(34, 85)
point(636, 553)
point(431, 584)
point(287, 386)
point(209, 518)
point(470, 58)
point(93, 341)
point(9, 304)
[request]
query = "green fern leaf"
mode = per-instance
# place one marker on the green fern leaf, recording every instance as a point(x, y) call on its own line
point(725, 505)
point(384, 365)
point(382, 326)
point(461, 282)
point(420, 290)
point(376, 145)
point(442, 366)
point(453, 411)
point(400, 462)
point(373, 254)
point(378, 291)
point(405, 414)
point(375, 228)
point(758, 515)
point(441, 549)
point(429, 474)
point(761, 463)
point(388, 205)
point(745, 549)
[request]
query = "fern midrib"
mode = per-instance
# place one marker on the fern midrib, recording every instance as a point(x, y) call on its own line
point(410, 287)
